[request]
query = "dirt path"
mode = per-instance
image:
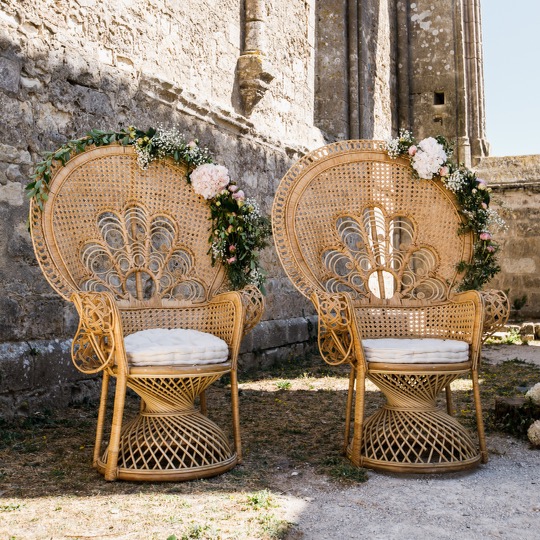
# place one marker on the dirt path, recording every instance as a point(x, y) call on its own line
point(497, 500)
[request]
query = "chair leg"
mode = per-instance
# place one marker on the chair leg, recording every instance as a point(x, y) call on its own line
point(236, 415)
point(356, 456)
point(348, 410)
point(202, 401)
point(111, 469)
point(479, 418)
point(101, 417)
point(449, 403)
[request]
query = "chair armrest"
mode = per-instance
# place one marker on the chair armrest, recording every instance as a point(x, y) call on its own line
point(336, 322)
point(252, 302)
point(496, 311)
point(98, 342)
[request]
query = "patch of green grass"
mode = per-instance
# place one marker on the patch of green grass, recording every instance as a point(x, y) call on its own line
point(274, 528)
point(197, 531)
point(341, 469)
point(260, 500)
point(512, 337)
point(283, 385)
point(9, 507)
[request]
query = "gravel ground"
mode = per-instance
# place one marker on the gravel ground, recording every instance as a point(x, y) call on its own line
point(498, 500)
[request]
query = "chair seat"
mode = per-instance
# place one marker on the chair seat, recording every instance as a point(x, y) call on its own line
point(415, 351)
point(177, 347)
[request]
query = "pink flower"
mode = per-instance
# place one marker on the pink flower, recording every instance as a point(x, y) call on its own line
point(444, 171)
point(239, 195)
point(232, 248)
point(192, 144)
point(481, 184)
point(491, 249)
point(233, 188)
point(484, 206)
point(231, 260)
point(485, 236)
point(412, 150)
point(209, 179)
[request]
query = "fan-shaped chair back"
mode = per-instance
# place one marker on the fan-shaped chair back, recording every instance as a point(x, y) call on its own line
point(348, 218)
point(140, 234)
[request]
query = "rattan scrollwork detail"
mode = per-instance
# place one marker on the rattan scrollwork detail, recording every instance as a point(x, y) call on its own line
point(379, 255)
point(253, 302)
point(335, 319)
point(496, 311)
point(139, 256)
point(95, 342)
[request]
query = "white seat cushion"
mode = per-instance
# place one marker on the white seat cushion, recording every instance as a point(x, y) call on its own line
point(415, 351)
point(178, 347)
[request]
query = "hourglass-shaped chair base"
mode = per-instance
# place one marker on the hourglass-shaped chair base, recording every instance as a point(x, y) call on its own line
point(170, 439)
point(409, 433)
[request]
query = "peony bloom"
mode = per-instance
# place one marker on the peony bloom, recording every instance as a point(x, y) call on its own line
point(239, 195)
point(491, 249)
point(191, 144)
point(444, 171)
point(232, 248)
point(231, 260)
point(232, 188)
point(412, 150)
point(209, 179)
point(485, 236)
point(429, 158)
point(484, 206)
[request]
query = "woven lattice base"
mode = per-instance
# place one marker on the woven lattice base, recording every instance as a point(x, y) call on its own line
point(410, 434)
point(416, 442)
point(175, 447)
point(170, 439)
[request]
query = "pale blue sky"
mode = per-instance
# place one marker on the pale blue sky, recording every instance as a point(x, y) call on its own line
point(511, 36)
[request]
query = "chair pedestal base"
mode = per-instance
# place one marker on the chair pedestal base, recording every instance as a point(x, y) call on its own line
point(170, 439)
point(172, 447)
point(410, 434)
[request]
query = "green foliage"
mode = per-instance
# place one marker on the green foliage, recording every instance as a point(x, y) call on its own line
point(342, 469)
point(519, 302)
point(283, 385)
point(260, 499)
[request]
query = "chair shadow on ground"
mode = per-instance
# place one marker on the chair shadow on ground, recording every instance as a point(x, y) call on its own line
point(292, 418)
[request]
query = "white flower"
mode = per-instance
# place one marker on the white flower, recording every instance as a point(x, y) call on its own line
point(428, 159)
point(455, 181)
point(534, 433)
point(208, 180)
point(534, 394)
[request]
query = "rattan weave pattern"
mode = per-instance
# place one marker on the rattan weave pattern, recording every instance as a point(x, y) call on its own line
point(130, 249)
point(376, 251)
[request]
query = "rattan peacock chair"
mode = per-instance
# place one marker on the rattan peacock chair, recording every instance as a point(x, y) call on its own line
point(376, 252)
point(130, 249)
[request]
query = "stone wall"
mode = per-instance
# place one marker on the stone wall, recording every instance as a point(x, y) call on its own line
point(69, 66)
point(516, 188)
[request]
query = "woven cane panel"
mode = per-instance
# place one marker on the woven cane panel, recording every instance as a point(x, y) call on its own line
point(108, 225)
point(444, 321)
point(172, 443)
point(216, 319)
point(349, 218)
point(422, 438)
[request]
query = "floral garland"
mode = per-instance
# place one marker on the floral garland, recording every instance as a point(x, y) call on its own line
point(238, 229)
point(430, 159)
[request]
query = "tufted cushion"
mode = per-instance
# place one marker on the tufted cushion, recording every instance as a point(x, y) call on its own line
point(178, 347)
point(415, 351)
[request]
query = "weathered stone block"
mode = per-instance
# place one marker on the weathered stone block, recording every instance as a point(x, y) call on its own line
point(10, 75)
